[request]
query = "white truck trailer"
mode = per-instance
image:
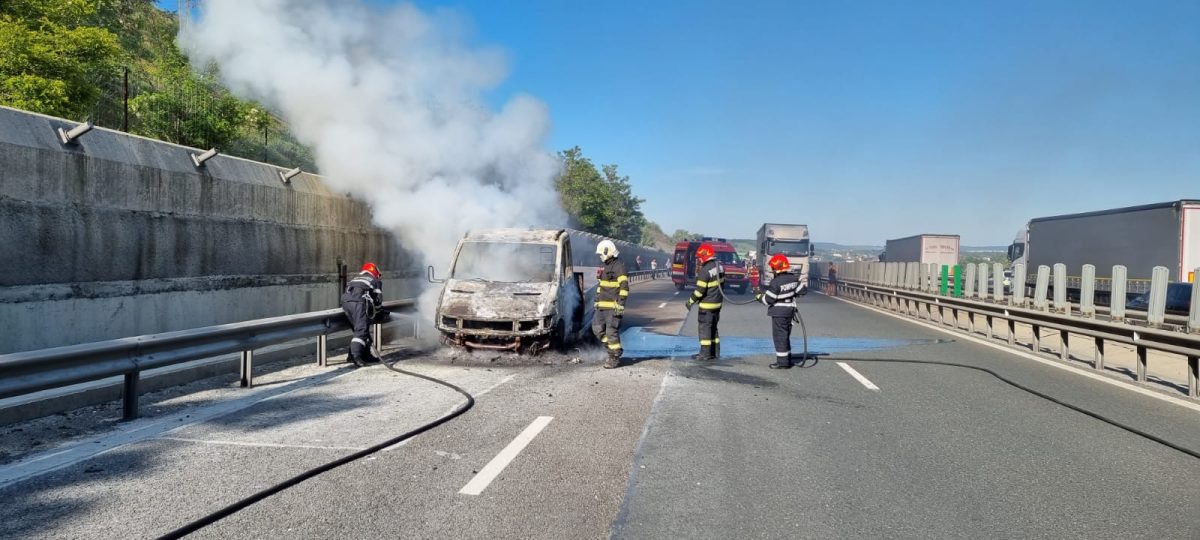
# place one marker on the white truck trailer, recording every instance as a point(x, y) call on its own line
point(941, 249)
point(1138, 237)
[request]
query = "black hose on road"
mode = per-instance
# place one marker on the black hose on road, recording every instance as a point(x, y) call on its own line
point(242, 504)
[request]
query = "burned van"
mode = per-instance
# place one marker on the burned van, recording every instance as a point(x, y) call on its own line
point(512, 289)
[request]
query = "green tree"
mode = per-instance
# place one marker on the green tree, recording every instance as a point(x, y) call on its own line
point(680, 235)
point(629, 220)
point(52, 57)
point(599, 200)
point(188, 108)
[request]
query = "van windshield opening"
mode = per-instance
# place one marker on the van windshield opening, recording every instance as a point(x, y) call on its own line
point(729, 257)
point(508, 263)
point(789, 248)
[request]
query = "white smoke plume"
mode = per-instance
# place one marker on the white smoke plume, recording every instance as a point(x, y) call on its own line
point(391, 101)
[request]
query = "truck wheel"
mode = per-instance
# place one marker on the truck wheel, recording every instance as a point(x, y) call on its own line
point(679, 286)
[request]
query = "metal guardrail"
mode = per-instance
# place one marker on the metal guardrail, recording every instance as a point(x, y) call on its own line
point(932, 307)
point(32, 371)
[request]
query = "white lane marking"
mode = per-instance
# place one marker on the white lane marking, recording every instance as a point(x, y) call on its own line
point(450, 410)
point(676, 293)
point(498, 463)
point(1030, 356)
point(662, 305)
point(870, 385)
point(261, 445)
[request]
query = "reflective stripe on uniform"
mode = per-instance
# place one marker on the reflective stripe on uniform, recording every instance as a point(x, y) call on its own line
point(710, 305)
point(705, 342)
point(606, 305)
point(784, 304)
point(624, 293)
point(716, 340)
point(604, 338)
point(614, 345)
point(364, 281)
point(622, 278)
point(610, 284)
point(359, 341)
point(783, 354)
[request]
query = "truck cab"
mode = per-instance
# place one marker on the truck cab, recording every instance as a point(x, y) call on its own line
point(512, 289)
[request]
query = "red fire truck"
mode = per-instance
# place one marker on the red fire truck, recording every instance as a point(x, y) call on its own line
point(683, 264)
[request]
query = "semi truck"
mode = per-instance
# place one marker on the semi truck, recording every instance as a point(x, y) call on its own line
point(790, 240)
point(941, 249)
point(1138, 237)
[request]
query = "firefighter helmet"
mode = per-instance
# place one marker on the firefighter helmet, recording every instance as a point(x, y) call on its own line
point(705, 252)
point(606, 249)
point(372, 269)
point(779, 263)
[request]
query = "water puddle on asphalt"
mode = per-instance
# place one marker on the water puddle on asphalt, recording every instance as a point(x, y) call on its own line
point(640, 343)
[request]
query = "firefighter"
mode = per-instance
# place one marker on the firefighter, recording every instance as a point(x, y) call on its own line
point(780, 298)
point(362, 302)
point(709, 279)
point(611, 294)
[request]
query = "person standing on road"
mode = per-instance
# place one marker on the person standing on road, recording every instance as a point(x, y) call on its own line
point(653, 268)
point(611, 294)
point(637, 263)
point(831, 288)
point(780, 298)
point(709, 279)
point(362, 301)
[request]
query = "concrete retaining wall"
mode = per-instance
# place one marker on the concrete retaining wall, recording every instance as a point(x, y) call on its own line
point(119, 235)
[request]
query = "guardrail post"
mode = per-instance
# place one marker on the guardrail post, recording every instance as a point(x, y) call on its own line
point(1012, 331)
point(1018, 285)
point(1099, 364)
point(323, 350)
point(247, 369)
point(1158, 295)
point(998, 282)
point(1064, 340)
point(1060, 289)
point(958, 281)
point(129, 396)
point(1116, 301)
point(970, 280)
point(988, 320)
point(1142, 360)
point(1194, 374)
point(1087, 292)
point(1194, 310)
point(981, 291)
point(1039, 289)
point(1036, 346)
point(944, 284)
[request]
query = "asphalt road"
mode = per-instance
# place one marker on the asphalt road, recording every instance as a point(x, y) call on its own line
point(661, 447)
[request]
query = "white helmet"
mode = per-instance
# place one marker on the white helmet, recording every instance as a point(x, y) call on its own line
point(606, 249)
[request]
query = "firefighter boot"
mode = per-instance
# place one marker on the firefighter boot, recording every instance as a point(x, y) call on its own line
point(716, 349)
point(356, 359)
point(614, 359)
point(705, 354)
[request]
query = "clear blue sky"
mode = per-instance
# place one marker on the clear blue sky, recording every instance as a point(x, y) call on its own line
point(866, 120)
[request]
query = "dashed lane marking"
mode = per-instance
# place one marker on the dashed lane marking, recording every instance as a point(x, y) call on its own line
point(510, 452)
point(662, 305)
point(870, 385)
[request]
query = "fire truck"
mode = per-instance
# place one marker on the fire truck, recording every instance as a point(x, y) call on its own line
point(684, 264)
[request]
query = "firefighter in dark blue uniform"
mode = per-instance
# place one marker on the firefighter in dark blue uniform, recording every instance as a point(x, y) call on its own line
point(709, 279)
point(611, 294)
point(780, 298)
point(362, 302)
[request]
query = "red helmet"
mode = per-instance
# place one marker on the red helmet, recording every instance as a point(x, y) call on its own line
point(705, 252)
point(779, 263)
point(370, 267)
